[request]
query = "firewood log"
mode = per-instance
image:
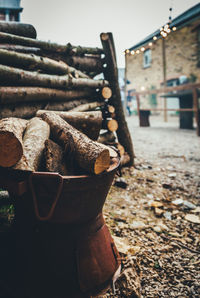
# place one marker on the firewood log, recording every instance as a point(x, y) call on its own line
point(20, 77)
point(86, 63)
point(36, 133)
point(11, 147)
point(65, 106)
point(32, 62)
point(17, 28)
point(106, 92)
point(88, 123)
point(55, 158)
point(125, 159)
point(107, 137)
point(20, 49)
point(10, 95)
point(111, 74)
point(25, 111)
point(110, 124)
point(87, 107)
point(88, 154)
point(48, 46)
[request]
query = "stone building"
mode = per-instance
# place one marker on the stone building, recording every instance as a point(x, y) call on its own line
point(10, 10)
point(170, 55)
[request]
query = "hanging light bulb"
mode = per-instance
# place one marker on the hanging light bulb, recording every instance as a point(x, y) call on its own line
point(127, 51)
point(155, 38)
point(142, 49)
point(174, 28)
point(138, 51)
point(150, 44)
point(132, 52)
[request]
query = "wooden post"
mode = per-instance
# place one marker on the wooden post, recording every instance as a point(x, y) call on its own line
point(164, 77)
point(196, 109)
point(125, 86)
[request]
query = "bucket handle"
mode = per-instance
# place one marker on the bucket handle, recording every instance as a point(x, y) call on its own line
point(57, 195)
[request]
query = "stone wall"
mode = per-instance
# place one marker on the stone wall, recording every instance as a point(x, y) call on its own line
point(181, 59)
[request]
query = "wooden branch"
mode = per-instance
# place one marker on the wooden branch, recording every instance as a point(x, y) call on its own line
point(88, 123)
point(36, 133)
point(86, 63)
point(32, 62)
point(20, 49)
point(87, 107)
point(66, 106)
point(89, 155)
point(10, 95)
point(28, 110)
point(48, 46)
point(111, 74)
point(18, 28)
point(55, 158)
point(11, 148)
point(18, 76)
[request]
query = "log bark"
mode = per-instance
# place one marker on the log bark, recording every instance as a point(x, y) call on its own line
point(10, 95)
point(65, 106)
point(125, 159)
point(16, 76)
point(20, 49)
point(36, 133)
point(88, 123)
point(11, 147)
point(28, 110)
point(87, 107)
point(107, 138)
point(111, 74)
point(48, 46)
point(32, 62)
point(89, 156)
point(86, 63)
point(55, 158)
point(16, 28)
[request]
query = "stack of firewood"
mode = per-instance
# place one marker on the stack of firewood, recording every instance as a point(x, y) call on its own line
point(36, 76)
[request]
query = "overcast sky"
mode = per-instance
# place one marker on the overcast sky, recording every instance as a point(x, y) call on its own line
point(80, 22)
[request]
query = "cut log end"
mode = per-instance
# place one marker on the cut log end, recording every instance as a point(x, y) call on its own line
point(104, 36)
point(11, 149)
point(102, 163)
point(112, 125)
point(106, 92)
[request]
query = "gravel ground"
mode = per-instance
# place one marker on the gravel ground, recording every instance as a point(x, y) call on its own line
point(155, 218)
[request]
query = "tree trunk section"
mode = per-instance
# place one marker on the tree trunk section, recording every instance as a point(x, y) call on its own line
point(88, 154)
point(88, 123)
point(110, 124)
point(16, 28)
point(9, 95)
point(16, 76)
point(111, 74)
point(87, 107)
point(54, 158)
point(11, 147)
point(36, 133)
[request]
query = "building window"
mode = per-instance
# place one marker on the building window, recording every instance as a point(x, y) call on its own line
point(147, 58)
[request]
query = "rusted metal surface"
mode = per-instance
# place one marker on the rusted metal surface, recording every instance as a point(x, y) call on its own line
point(63, 247)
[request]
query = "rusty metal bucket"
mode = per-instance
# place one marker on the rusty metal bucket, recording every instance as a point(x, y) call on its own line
point(66, 199)
point(64, 248)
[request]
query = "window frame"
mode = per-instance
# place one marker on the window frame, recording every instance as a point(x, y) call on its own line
point(147, 58)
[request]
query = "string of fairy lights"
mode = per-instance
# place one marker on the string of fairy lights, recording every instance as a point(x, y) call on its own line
point(164, 32)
